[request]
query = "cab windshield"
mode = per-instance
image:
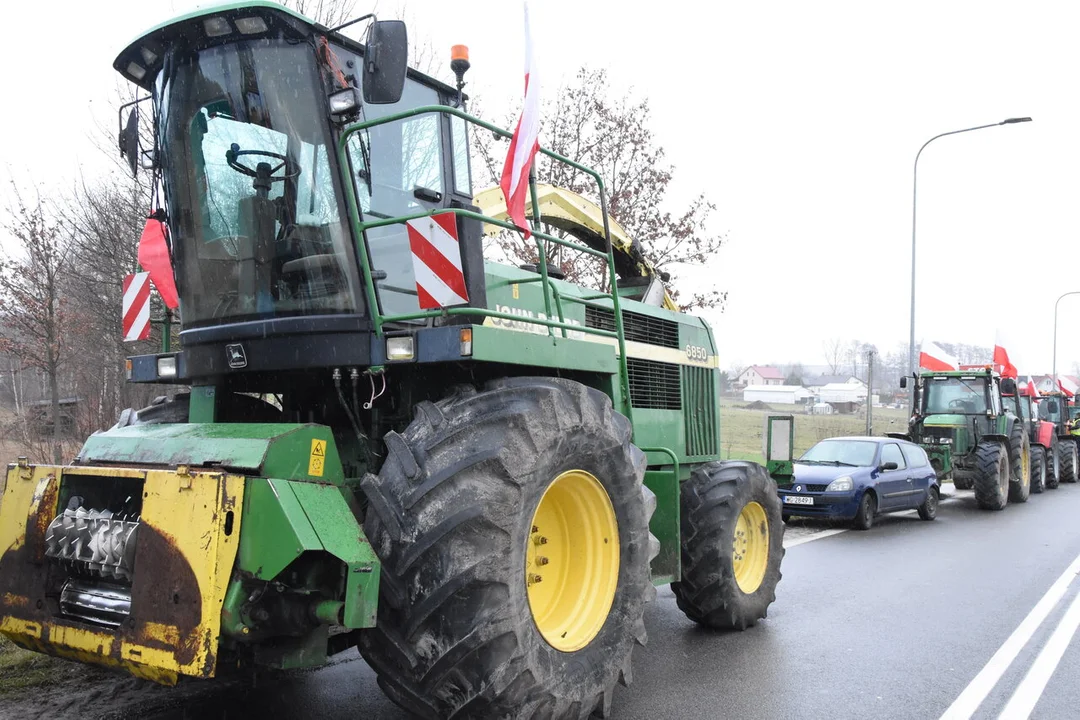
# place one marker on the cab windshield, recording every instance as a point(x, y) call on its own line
point(256, 209)
point(1050, 409)
point(948, 395)
point(1009, 403)
point(858, 453)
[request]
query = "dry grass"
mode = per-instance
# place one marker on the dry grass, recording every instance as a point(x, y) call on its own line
point(741, 429)
point(21, 669)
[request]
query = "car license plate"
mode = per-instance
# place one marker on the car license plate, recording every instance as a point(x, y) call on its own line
point(798, 500)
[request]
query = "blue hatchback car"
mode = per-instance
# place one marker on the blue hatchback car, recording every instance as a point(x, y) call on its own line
point(858, 478)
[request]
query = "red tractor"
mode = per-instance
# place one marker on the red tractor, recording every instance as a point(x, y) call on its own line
point(1045, 463)
point(1054, 408)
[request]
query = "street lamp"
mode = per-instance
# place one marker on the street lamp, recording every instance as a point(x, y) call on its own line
point(1071, 292)
point(914, 197)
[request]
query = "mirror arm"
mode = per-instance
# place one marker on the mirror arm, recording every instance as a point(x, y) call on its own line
point(353, 22)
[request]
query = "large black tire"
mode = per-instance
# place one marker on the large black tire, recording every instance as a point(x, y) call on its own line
point(963, 483)
point(711, 502)
point(1069, 461)
point(1019, 464)
point(450, 516)
point(1053, 465)
point(991, 475)
point(1038, 469)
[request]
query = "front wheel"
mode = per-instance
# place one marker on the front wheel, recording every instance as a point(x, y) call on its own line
point(1053, 464)
point(864, 516)
point(513, 529)
point(1019, 464)
point(1067, 451)
point(991, 475)
point(732, 545)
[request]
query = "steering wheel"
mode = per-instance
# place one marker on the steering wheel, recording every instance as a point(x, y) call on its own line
point(261, 172)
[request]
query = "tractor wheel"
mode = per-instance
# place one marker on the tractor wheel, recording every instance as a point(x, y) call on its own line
point(1019, 464)
point(1038, 469)
point(1067, 453)
point(963, 483)
point(1053, 464)
point(513, 529)
point(991, 475)
point(732, 545)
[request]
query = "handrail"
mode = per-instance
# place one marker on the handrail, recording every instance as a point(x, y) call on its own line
point(548, 289)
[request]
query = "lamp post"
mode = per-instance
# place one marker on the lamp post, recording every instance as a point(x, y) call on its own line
point(1064, 295)
point(914, 198)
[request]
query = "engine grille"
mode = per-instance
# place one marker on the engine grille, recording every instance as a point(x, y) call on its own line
point(653, 385)
point(699, 400)
point(636, 327)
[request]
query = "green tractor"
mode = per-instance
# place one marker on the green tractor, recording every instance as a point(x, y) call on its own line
point(960, 420)
point(1054, 407)
point(480, 495)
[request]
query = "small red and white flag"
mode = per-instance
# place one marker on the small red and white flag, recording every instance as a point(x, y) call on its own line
point(1067, 386)
point(136, 321)
point(1030, 388)
point(436, 258)
point(525, 143)
point(932, 357)
point(1003, 364)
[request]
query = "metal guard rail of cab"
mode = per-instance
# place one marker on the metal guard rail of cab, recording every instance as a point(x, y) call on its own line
point(549, 290)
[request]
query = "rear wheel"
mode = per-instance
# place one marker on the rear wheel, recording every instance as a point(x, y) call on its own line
point(1053, 464)
point(513, 528)
point(1019, 464)
point(864, 517)
point(991, 475)
point(1067, 453)
point(928, 509)
point(1038, 469)
point(732, 545)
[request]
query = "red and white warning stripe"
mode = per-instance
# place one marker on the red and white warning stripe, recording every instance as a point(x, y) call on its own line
point(137, 307)
point(436, 257)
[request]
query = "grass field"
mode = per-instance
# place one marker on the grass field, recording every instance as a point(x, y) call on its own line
point(741, 429)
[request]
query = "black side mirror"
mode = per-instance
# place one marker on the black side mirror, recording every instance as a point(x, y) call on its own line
point(1008, 386)
point(385, 62)
point(890, 466)
point(129, 140)
point(903, 382)
point(1051, 406)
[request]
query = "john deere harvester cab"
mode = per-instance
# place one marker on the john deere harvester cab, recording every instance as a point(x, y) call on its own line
point(1041, 438)
point(1054, 408)
point(375, 438)
point(962, 423)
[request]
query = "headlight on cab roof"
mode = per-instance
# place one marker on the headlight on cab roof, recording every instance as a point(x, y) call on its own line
point(843, 484)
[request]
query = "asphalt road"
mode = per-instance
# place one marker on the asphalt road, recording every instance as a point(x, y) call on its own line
point(907, 620)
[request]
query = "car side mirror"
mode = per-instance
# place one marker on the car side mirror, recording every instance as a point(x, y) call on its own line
point(889, 466)
point(903, 382)
point(385, 62)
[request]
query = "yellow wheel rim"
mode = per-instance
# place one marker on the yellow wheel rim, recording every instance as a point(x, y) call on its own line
point(750, 547)
point(572, 560)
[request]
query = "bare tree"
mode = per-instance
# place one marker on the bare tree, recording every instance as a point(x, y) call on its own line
point(35, 312)
point(330, 13)
point(834, 354)
point(614, 136)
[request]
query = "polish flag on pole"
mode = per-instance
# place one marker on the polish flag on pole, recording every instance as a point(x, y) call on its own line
point(1002, 363)
point(1030, 389)
point(1067, 386)
point(932, 357)
point(524, 144)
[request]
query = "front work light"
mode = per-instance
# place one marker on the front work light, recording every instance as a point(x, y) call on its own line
point(250, 25)
point(400, 348)
point(344, 102)
point(166, 367)
point(216, 26)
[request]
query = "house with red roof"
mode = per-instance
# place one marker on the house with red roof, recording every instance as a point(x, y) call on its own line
point(759, 375)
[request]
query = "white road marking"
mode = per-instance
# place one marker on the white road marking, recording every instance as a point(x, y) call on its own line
point(1031, 688)
point(836, 531)
point(969, 700)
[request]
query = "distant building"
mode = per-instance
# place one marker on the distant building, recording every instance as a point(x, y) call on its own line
point(814, 384)
point(759, 375)
point(778, 394)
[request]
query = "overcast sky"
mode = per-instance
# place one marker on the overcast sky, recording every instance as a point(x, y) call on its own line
point(801, 121)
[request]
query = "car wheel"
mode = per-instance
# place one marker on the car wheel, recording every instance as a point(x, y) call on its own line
point(928, 509)
point(864, 518)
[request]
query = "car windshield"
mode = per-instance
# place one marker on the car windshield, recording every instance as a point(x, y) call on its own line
point(966, 395)
point(256, 212)
point(859, 453)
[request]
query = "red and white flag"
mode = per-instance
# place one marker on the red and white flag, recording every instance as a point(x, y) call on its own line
point(525, 143)
point(436, 259)
point(1067, 386)
point(154, 258)
point(932, 357)
point(1030, 388)
point(136, 318)
point(1003, 364)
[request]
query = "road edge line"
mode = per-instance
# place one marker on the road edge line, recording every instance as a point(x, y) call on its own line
point(969, 700)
